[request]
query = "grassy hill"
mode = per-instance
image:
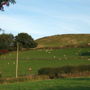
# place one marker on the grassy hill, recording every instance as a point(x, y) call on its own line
point(65, 40)
point(37, 59)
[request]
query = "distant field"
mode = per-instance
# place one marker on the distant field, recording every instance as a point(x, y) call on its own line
point(64, 40)
point(37, 59)
point(58, 84)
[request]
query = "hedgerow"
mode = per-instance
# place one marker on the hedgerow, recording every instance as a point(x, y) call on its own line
point(58, 71)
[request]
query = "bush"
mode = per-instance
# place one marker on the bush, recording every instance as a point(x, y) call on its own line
point(3, 51)
point(83, 68)
point(52, 72)
point(59, 71)
point(67, 69)
point(46, 71)
point(85, 54)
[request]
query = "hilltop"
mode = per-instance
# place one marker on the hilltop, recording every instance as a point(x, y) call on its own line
point(65, 40)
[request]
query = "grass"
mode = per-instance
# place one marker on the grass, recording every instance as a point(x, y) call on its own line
point(64, 40)
point(58, 84)
point(37, 59)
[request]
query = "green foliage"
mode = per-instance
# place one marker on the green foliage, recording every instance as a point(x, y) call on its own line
point(85, 54)
point(6, 41)
point(83, 68)
point(66, 69)
point(57, 72)
point(25, 40)
point(5, 2)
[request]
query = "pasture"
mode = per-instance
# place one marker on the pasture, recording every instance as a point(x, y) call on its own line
point(38, 58)
point(58, 84)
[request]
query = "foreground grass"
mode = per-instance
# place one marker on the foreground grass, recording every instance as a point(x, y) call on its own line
point(58, 84)
point(37, 59)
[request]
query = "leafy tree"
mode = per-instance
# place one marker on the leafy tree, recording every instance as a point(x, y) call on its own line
point(25, 41)
point(5, 2)
point(6, 41)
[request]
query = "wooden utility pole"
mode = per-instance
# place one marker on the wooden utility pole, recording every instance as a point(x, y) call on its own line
point(17, 60)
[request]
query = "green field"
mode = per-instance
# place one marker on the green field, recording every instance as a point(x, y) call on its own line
point(37, 59)
point(58, 84)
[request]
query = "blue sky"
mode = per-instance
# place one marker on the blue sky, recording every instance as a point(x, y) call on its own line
point(41, 18)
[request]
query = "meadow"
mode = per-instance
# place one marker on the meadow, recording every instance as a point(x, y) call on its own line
point(36, 59)
point(64, 40)
point(57, 84)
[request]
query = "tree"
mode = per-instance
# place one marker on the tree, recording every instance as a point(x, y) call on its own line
point(6, 41)
point(2, 30)
point(25, 41)
point(5, 2)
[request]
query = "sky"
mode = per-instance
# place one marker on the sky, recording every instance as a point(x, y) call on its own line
point(41, 18)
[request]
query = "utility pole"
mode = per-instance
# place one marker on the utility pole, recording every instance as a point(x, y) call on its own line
point(17, 60)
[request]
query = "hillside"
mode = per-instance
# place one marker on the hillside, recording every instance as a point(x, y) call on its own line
point(37, 59)
point(65, 40)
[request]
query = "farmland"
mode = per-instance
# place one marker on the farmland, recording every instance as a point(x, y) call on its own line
point(65, 40)
point(39, 58)
point(58, 84)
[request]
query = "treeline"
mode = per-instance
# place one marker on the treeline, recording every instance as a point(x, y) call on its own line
point(9, 42)
point(59, 71)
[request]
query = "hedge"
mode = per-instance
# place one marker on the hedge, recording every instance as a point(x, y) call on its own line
point(58, 71)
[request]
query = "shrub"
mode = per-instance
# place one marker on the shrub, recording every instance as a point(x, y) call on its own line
point(83, 68)
point(59, 71)
point(85, 54)
point(52, 72)
point(3, 51)
point(45, 71)
point(67, 69)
